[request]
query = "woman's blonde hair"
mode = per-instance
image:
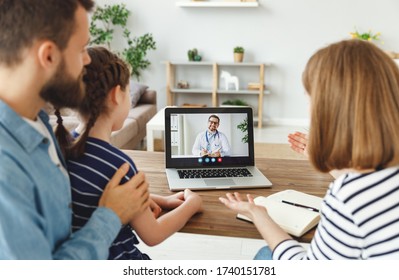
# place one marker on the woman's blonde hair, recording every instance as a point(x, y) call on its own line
point(354, 93)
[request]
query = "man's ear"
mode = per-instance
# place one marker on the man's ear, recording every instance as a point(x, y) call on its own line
point(49, 55)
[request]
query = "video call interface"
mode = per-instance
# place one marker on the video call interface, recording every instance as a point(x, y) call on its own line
point(209, 138)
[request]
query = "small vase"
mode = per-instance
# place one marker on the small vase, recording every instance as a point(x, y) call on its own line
point(238, 57)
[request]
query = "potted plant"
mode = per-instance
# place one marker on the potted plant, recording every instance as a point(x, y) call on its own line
point(234, 103)
point(193, 55)
point(243, 126)
point(103, 22)
point(238, 54)
point(366, 36)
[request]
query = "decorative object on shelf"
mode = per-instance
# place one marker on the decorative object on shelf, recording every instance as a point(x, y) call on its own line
point(190, 105)
point(235, 102)
point(238, 54)
point(103, 22)
point(229, 80)
point(254, 86)
point(183, 85)
point(193, 55)
point(366, 36)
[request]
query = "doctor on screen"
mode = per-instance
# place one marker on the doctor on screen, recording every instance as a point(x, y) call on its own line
point(211, 142)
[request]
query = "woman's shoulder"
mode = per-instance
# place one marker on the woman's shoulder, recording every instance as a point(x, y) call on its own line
point(353, 184)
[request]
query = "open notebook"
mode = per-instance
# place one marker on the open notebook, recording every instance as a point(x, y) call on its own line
point(295, 212)
point(229, 160)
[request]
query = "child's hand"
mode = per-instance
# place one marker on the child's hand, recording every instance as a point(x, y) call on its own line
point(194, 199)
point(174, 200)
point(155, 208)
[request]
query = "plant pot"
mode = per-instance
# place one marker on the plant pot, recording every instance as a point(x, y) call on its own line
point(238, 57)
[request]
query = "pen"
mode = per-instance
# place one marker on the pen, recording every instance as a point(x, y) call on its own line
point(300, 205)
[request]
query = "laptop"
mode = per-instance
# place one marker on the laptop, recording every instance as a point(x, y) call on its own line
point(211, 148)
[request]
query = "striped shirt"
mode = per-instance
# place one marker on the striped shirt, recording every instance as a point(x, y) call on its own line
point(89, 175)
point(359, 220)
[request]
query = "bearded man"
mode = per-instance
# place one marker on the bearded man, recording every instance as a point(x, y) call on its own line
point(42, 54)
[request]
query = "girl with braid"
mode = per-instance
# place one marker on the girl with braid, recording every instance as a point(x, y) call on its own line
point(92, 160)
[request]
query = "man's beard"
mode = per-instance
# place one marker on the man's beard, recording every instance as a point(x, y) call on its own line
point(62, 90)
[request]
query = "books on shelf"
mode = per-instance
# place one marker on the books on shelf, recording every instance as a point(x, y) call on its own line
point(296, 212)
point(254, 86)
point(192, 105)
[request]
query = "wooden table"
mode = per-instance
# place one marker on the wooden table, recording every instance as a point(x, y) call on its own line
point(216, 219)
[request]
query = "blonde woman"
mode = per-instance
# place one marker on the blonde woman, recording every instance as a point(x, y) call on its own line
point(353, 88)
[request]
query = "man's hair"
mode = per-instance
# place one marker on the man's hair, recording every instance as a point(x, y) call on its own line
point(105, 72)
point(25, 21)
point(213, 116)
point(354, 93)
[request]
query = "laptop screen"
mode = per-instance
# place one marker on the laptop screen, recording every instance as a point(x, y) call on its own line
point(208, 137)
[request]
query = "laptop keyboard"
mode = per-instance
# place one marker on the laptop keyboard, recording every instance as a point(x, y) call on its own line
point(213, 173)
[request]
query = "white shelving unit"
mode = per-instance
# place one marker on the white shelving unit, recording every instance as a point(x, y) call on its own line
point(216, 4)
point(215, 90)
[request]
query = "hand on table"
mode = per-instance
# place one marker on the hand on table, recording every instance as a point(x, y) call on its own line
point(194, 199)
point(155, 208)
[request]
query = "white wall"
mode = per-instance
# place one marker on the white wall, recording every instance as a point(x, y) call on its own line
point(282, 32)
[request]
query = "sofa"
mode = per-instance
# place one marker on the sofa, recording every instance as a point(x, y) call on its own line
point(131, 135)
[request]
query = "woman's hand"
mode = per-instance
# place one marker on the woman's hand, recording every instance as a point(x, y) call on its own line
point(299, 142)
point(247, 208)
point(272, 233)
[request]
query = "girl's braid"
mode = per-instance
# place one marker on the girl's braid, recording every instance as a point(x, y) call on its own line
point(105, 72)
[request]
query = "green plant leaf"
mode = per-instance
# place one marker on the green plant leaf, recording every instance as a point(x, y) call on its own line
point(239, 49)
point(103, 22)
point(243, 126)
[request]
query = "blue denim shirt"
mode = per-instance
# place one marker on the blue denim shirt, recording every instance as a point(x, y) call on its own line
point(35, 200)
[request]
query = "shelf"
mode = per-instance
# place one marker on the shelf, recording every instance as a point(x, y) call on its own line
point(215, 89)
point(220, 91)
point(209, 63)
point(249, 64)
point(190, 63)
point(191, 90)
point(214, 4)
point(242, 91)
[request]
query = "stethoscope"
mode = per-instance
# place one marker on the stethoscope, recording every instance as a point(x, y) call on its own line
point(207, 139)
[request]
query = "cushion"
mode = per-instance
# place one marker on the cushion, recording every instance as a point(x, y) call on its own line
point(136, 91)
